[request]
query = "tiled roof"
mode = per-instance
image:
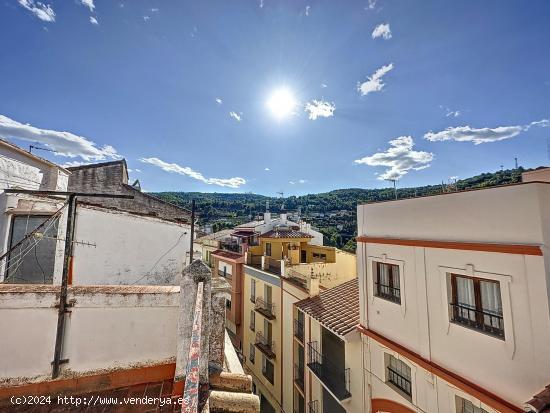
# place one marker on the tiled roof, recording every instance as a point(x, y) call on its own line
point(224, 233)
point(336, 308)
point(227, 254)
point(285, 233)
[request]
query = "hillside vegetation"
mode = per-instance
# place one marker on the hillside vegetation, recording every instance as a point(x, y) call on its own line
point(332, 213)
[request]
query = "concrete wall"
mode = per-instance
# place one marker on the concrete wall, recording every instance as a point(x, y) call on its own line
point(105, 330)
point(513, 368)
point(128, 248)
point(112, 177)
point(18, 169)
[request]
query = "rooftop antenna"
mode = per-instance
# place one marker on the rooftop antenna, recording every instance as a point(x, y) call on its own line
point(31, 147)
point(502, 167)
point(394, 186)
point(283, 197)
point(516, 162)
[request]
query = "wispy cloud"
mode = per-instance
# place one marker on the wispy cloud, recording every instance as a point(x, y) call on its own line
point(482, 135)
point(154, 10)
point(453, 113)
point(63, 143)
point(324, 85)
point(320, 108)
point(267, 169)
point(219, 101)
point(308, 7)
point(187, 171)
point(399, 158)
point(236, 116)
point(371, 5)
point(146, 18)
point(374, 83)
point(93, 20)
point(261, 4)
point(299, 181)
point(89, 4)
point(383, 31)
point(43, 11)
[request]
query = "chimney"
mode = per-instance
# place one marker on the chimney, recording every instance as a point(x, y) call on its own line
point(267, 217)
point(313, 284)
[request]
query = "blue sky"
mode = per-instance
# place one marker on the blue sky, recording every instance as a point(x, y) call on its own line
point(414, 91)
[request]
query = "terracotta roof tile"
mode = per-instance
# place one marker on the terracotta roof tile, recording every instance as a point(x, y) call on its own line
point(227, 254)
point(336, 308)
point(285, 233)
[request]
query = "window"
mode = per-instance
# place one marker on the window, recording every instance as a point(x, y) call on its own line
point(299, 403)
point(253, 290)
point(476, 303)
point(32, 261)
point(399, 375)
point(466, 406)
point(386, 282)
point(268, 249)
point(320, 256)
point(252, 320)
point(267, 369)
point(228, 304)
point(252, 353)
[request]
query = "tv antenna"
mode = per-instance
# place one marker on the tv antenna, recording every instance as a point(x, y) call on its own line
point(31, 147)
point(283, 198)
point(394, 186)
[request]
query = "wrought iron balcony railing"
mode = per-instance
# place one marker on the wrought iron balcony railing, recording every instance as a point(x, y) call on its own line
point(388, 292)
point(265, 345)
point(299, 329)
point(313, 406)
point(299, 376)
point(400, 381)
point(264, 308)
point(485, 321)
point(335, 378)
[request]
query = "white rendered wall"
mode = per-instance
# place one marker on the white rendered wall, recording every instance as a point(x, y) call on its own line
point(129, 249)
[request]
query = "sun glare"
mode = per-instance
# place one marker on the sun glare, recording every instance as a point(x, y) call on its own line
point(282, 103)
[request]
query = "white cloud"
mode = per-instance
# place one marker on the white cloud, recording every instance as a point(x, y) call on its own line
point(236, 116)
point(399, 159)
point(74, 163)
point(452, 113)
point(372, 4)
point(483, 135)
point(89, 4)
point(137, 170)
point(93, 20)
point(146, 18)
point(383, 31)
point(219, 101)
point(323, 85)
point(43, 11)
point(320, 108)
point(185, 170)
point(267, 169)
point(307, 10)
point(154, 9)
point(261, 4)
point(63, 143)
point(299, 181)
point(374, 83)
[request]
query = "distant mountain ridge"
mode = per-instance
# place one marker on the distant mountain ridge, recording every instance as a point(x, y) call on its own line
point(333, 213)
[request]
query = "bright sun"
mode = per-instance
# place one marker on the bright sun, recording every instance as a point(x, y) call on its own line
point(282, 103)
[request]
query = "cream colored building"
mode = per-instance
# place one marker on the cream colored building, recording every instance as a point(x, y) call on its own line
point(454, 301)
point(284, 268)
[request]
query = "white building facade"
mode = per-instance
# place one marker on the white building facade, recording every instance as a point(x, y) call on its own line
point(454, 300)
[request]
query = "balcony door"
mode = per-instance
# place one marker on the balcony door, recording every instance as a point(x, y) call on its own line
point(333, 350)
point(268, 331)
point(330, 404)
point(268, 294)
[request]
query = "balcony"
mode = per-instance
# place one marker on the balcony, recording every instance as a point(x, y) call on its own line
point(299, 376)
point(265, 345)
point(313, 406)
point(264, 308)
point(224, 274)
point(299, 330)
point(399, 381)
point(487, 322)
point(335, 379)
point(388, 292)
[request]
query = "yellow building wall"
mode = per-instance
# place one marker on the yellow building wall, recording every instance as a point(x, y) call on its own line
point(270, 391)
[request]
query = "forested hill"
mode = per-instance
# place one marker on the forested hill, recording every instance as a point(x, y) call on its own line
point(333, 213)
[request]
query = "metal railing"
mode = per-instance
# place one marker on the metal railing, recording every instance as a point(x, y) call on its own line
point(313, 406)
point(388, 292)
point(299, 329)
point(485, 321)
point(265, 308)
point(253, 324)
point(398, 380)
point(224, 274)
point(336, 378)
point(265, 345)
point(299, 376)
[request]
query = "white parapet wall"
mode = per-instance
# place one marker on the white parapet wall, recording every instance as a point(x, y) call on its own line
point(108, 328)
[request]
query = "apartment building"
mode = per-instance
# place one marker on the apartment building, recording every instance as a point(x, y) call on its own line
point(327, 352)
point(284, 268)
point(454, 301)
